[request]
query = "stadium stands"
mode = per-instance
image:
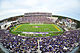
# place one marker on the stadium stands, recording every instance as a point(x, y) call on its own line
point(36, 20)
point(62, 44)
point(36, 17)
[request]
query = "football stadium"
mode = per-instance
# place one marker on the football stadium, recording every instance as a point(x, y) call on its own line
point(39, 32)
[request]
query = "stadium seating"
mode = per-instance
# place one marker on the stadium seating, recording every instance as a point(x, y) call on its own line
point(36, 20)
point(62, 44)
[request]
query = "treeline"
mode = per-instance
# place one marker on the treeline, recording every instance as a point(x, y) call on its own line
point(11, 18)
point(59, 17)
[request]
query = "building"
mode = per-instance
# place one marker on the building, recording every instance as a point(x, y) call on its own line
point(36, 17)
point(68, 23)
point(5, 25)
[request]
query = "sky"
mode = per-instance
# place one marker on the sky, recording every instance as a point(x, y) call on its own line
point(67, 8)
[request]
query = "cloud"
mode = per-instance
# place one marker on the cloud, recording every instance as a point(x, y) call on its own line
point(69, 8)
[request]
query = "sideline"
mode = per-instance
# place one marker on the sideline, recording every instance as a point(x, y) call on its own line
point(17, 27)
point(56, 28)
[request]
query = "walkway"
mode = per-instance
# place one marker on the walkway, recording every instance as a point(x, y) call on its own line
point(4, 49)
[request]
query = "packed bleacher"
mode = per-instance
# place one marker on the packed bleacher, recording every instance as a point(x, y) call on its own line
point(35, 20)
point(57, 44)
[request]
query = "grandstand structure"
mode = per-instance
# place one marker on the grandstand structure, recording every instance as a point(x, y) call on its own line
point(36, 17)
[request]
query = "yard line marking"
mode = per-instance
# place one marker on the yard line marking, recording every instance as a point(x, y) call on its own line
point(17, 27)
point(56, 27)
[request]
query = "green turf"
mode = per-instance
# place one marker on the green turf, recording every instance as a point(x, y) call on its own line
point(36, 28)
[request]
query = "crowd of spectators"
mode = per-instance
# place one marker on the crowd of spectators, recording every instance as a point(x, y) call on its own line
point(57, 44)
point(36, 20)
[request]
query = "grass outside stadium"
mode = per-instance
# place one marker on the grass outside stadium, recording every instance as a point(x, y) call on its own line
point(52, 29)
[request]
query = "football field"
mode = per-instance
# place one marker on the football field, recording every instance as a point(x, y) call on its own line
point(37, 28)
